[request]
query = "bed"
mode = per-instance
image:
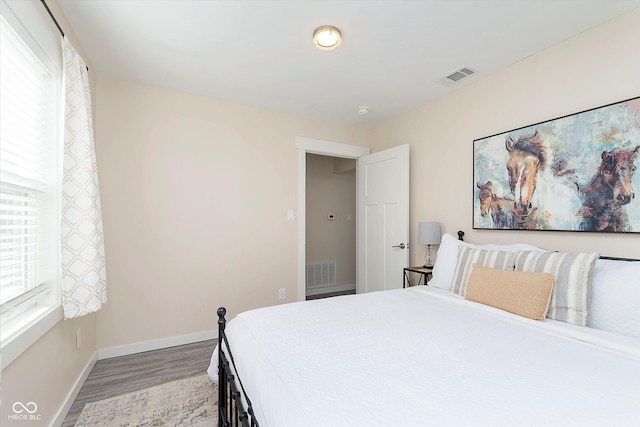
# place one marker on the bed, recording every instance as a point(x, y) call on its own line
point(427, 355)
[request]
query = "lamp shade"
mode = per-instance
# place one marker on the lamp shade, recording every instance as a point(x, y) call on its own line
point(429, 233)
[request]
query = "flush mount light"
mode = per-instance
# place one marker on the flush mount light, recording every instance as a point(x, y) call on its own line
point(327, 37)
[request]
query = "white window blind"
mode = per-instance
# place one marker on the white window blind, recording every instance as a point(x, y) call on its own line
point(28, 175)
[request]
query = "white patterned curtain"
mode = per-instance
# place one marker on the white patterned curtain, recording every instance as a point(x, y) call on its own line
point(84, 287)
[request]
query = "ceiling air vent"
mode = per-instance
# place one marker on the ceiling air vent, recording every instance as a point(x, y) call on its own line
point(457, 75)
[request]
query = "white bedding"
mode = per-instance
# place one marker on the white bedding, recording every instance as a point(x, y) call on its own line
point(422, 356)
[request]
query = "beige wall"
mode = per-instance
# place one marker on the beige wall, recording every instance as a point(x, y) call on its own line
point(47, 372)
point(331, 188)
point(195, 193)
point(594, 68)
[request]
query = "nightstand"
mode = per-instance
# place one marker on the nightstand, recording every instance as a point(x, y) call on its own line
point(424, 272)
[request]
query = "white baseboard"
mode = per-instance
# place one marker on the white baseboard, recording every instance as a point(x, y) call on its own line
point(139, 347)
point(71, 397)
point(329, 289)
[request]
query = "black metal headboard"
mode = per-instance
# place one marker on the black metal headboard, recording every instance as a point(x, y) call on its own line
point(615, 258)
point(461, 235)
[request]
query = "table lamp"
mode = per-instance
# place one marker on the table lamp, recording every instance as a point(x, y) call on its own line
point(429, 234)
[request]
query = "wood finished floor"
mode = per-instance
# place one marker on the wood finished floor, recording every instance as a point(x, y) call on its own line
point(331, 294)
point(120, 375)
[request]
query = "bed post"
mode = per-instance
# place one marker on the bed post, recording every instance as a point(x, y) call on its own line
point(222, 376)
point(460, 234)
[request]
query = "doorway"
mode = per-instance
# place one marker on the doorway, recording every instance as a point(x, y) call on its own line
point(382, 212)
point(313, 146)
point(330, 265)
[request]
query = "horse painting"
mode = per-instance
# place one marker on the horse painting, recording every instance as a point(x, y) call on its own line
point(527, 156)
point(572, 173)
point(609, 191)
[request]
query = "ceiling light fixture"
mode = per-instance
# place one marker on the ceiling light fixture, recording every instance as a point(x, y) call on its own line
point(363, 110)
point(327, 37)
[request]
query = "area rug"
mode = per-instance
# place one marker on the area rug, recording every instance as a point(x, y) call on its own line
point(188, 402)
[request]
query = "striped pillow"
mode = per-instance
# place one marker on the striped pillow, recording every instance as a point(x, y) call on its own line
point(502, 260)
point(571, 269)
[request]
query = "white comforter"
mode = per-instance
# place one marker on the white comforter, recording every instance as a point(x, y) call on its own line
point(425, 357)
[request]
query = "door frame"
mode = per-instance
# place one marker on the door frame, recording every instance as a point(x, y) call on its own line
point(325, 148)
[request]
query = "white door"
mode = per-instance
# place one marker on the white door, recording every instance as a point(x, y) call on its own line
point(383, 219)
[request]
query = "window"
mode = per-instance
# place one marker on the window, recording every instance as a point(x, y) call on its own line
point(29, 190)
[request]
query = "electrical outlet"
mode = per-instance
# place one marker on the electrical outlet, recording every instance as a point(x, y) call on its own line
point(78, 338)
point(282, 293)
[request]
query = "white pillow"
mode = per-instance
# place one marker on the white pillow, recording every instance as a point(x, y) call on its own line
point(445, 265)
point(614, 305)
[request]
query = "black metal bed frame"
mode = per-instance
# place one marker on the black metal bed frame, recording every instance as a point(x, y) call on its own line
point(231, 406)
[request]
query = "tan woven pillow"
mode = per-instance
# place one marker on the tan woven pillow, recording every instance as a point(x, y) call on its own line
point(524, 293)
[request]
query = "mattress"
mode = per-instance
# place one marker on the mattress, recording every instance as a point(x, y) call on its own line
point(426, 357)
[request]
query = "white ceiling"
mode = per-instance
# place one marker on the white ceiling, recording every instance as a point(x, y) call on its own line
point(260, 53)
